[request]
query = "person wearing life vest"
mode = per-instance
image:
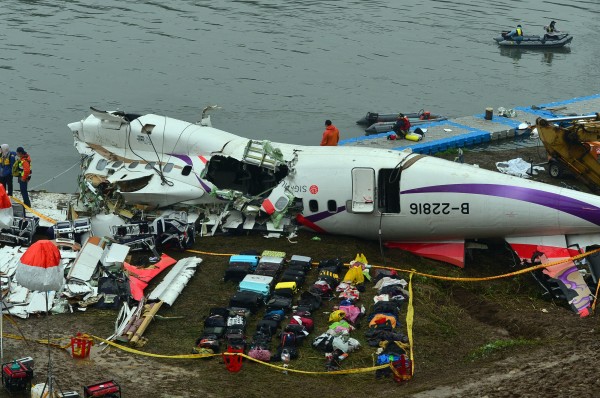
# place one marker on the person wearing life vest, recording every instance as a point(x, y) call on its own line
point(402, 126)
point(22, 170)
point(551, 32)
point(331, 135)
point(516, 34)
point(7, 161)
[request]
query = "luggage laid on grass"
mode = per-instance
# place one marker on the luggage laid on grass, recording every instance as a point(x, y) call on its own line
point(249, 300)
point(286, 289)
point(257, 283)
point(240, 266)
point(302, 261)
point(270, 266)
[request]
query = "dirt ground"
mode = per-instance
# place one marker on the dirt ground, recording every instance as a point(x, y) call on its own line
point(554, 352)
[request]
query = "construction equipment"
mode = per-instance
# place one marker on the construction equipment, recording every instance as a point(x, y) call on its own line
point(573, 143)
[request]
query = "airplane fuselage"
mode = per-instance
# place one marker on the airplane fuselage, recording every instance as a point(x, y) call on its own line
point(368, 193)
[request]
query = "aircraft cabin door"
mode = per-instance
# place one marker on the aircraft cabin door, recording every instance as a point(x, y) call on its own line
point(363, 190)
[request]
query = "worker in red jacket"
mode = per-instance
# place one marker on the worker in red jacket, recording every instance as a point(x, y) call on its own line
point(331, 135)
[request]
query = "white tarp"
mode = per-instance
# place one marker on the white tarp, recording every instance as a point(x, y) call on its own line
point(518, 167)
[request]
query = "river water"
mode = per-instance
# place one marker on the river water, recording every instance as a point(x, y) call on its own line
point(277, 69)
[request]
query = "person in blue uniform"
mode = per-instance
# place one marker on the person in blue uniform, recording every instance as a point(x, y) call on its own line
point(7, 160)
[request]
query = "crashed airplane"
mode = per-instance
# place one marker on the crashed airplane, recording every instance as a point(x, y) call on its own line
point(418, 203)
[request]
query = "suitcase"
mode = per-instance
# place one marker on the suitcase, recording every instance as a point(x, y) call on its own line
point(267, 326)
point(286, 289)
point(244, 259)
point(237, 271)
point(272, 253)
point(257, 283)
point(245, 299)
point(305, 262)
point(279, 303)
point(270, 266)
point(291, 275)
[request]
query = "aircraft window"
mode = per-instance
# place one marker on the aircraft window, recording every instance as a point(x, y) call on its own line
point(116, 164)
point(101, 164)
point(168, 167)
point(133, 165)
point(313, 205)
point(186, 170)
point(150, 165)
point(331, 206)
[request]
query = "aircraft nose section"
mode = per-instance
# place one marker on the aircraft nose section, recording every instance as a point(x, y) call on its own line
point(77, 129)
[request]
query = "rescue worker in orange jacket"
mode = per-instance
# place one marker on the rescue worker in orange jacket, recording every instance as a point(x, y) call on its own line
point(22, 170)
point(331, 135)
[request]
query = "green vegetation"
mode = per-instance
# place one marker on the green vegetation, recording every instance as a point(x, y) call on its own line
point(500, 345)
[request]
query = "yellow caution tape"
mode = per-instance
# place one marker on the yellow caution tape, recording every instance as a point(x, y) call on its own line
point(410, 314)
point(40, 215)
point(488, 278)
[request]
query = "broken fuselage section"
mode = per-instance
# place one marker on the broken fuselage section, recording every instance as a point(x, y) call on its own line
point(152, 162)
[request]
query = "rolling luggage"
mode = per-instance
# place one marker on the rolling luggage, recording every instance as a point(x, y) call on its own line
point(303, 261)
point(257, 283)
point(269, 266)
point(245, 299)
point(292, 275)
point(240, 266)
point(279, 303)
point(286, 289)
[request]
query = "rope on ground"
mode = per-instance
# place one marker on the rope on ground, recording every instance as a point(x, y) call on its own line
point(40, 215)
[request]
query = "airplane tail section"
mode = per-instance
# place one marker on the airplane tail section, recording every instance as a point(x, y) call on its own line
point(452, 252)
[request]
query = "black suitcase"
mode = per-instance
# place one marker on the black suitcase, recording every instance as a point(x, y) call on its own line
point(268, 269)
point(267, 326)
point(218, 331)
point(237, 271)
point(279, 303)
point(301, 261)
point(215, 321)
point(290, 275)
point(246, 299)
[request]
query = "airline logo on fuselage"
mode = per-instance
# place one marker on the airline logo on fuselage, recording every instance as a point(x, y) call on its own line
point(314, 189)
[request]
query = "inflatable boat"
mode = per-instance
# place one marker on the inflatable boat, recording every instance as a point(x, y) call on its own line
point(535, 41)
point(414, 117)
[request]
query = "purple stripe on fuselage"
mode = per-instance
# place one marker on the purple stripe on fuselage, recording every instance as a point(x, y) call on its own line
point(575, 207)
point(188, 160)
point(324, 214)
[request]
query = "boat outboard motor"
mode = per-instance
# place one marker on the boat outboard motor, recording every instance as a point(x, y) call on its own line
point(372, 118)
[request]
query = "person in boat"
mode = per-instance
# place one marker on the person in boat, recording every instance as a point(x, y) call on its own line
point(516, 34)
point(7, 161)
point(551, 32)
point(22, 170)
point(331, 135)
point(402, 125)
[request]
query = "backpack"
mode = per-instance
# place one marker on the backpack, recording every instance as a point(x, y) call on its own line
point(288, 339)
